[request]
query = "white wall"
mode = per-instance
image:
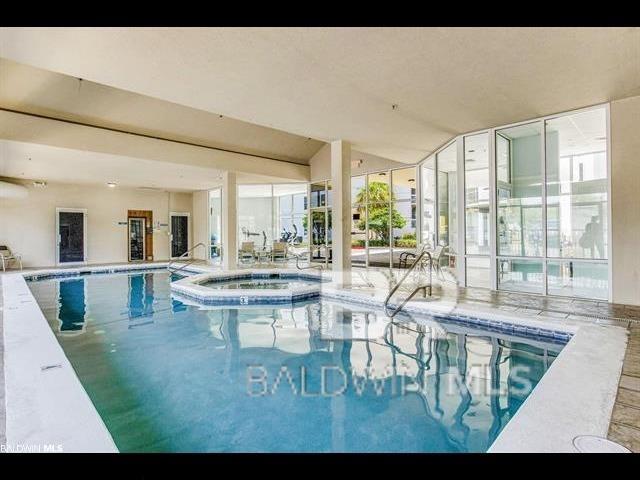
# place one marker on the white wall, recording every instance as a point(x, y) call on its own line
point(625, 200)
point(28, 225)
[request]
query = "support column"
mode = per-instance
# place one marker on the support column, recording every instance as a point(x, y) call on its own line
point(229, 221)
point(341, 210)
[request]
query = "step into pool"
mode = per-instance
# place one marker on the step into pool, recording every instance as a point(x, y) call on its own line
point(313, 376)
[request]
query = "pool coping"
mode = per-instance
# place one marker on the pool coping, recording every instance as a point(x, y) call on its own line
point(575, 396)
point(192, 287)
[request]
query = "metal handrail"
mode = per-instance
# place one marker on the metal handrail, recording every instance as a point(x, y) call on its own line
point(182, 256)
point(418, 261)
point(299, 256)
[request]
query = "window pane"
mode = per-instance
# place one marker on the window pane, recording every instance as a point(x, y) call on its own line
point(358, 191)
point(358, 235)
point(476, 179)
point(577, 220)
point(447, 197)
point(520, 275)
point(215, 222)
point(255, 214)
point(479, 272)
point(318, 235)
point(429, 202)
point(318, 195)
point(519, 198)
point(578, 279)
point(378, 223)
point(503, 156)
point(300, 203)
point(404, 229)
point(404, 184)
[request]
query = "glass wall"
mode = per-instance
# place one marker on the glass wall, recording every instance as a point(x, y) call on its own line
point(552, 205)
point(549, 196)
point(215, 225)
point(403, 213)
point(429, 202)
point(384, 217)
point(273, 213)
point(577, 219)
point(477, 210)
point(447, 185)
point(320, 210)
point(519, 191)
point(358, 221)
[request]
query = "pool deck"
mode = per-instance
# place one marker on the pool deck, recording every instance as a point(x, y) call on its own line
point(3, 419)
point(624, 422)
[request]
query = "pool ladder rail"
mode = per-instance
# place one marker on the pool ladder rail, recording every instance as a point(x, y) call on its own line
point(301, 255)
point(184, 255)
point(421, 262)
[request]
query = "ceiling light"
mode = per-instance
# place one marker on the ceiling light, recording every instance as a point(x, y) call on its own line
point(39, 184)
point(111, 184)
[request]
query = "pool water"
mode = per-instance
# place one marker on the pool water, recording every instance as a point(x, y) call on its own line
point(318, 376)
point(260, 284)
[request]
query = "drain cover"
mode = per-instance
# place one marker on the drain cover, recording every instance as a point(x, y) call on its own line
point(593, 444)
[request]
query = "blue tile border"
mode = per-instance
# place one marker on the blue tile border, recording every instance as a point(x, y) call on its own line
point(246, 299)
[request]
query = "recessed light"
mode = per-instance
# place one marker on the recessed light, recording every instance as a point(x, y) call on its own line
point(111, 184)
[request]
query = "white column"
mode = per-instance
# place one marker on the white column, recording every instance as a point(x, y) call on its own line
point(341, 208)
point(229, 221)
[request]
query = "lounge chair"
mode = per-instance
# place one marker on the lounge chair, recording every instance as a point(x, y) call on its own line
point(247, 252)
point(6, 256)
point(279, 251)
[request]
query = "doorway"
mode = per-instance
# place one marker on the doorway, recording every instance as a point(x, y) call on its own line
point(71, 237)
point(136, 239)
point(179, 234)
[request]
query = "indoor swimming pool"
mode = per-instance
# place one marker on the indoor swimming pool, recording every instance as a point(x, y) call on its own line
point(313, 376)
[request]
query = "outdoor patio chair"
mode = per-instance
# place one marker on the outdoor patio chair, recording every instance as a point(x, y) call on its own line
point(6, 256)
point(279, 251)
point(247, 252)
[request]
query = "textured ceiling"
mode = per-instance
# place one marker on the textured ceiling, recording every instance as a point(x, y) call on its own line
point(331, 83)
point(33, 90)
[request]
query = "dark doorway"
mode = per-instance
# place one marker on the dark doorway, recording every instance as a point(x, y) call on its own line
point(136, 239)
point(179, 235)
point(71, 237)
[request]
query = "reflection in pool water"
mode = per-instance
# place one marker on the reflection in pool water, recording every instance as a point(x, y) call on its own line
point(311, 377)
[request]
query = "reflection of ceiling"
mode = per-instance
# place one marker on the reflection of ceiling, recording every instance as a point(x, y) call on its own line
point(329, 83)
point(581, 133)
